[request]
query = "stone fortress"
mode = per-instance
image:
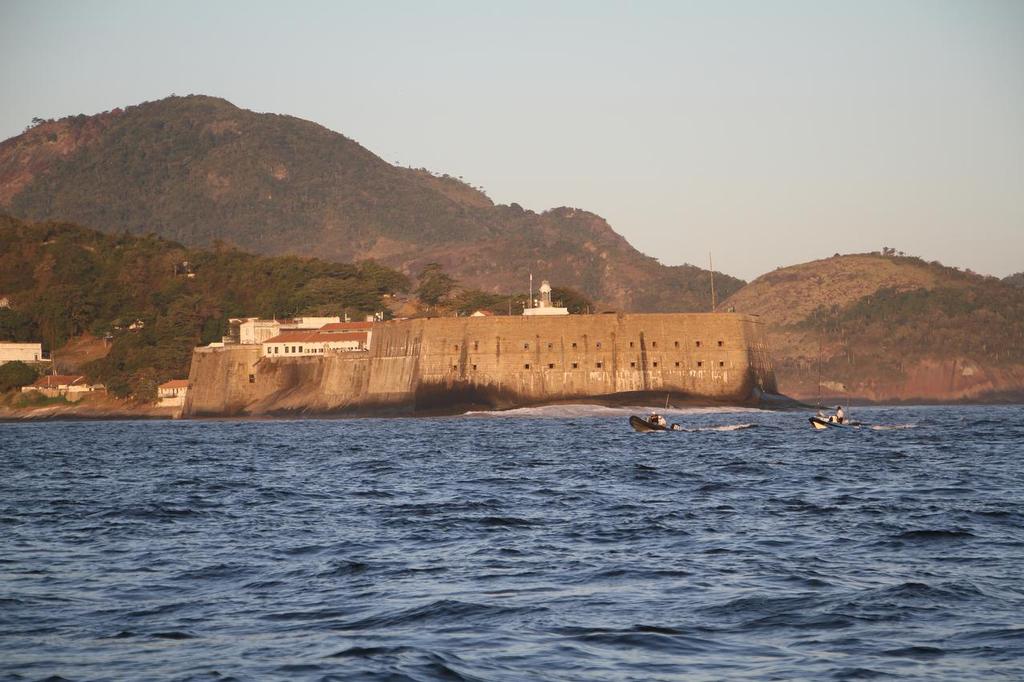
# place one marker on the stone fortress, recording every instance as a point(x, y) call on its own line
point(446, 365)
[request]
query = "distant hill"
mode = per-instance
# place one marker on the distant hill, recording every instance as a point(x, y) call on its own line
point(890, 328)
point(66, 282)
point(1016, 280)
point(198, 169)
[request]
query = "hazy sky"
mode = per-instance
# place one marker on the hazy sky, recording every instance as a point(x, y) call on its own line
point(768, 132)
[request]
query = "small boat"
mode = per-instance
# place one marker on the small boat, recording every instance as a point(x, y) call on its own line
point(655, 422)
point(830, 422)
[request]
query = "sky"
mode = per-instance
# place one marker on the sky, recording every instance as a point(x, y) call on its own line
point(764, 133)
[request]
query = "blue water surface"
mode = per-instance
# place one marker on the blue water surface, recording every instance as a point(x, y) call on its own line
point(543, 544)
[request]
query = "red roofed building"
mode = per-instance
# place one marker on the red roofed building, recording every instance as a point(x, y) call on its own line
point(71, 386)
point(336, 327)
point(172, 393)
point(319, 342)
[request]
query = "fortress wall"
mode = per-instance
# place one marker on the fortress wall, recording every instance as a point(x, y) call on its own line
point(444, 363)
point(219, 381)
point(236, 380)
point(394, 362)
point(316, 384)
point(759, 356)
point(537, 359)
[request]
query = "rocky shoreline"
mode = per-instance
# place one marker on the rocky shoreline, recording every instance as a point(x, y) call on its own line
point(91, 408)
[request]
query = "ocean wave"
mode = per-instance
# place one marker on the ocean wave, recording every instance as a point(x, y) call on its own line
point(722, 427)
point(440, 611)
point(585, 410)
point(491, 548)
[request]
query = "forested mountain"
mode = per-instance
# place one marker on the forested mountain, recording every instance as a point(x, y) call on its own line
point(197, 170)
point(887, 327)
point(63, 281)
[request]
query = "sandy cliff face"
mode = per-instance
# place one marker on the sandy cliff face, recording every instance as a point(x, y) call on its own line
point(423, 366)
point(927, 380)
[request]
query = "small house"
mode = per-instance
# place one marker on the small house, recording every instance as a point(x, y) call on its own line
point(172, 393)
point(73, 387)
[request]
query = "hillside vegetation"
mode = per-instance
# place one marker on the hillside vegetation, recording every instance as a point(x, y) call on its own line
point(890, 328)
point(64, 281)
point(197, 170)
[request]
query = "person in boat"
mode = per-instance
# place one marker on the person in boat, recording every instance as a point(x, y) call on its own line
point(840, 415)
point(656, 420)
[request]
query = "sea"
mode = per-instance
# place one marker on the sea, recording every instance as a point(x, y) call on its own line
point(536, 544)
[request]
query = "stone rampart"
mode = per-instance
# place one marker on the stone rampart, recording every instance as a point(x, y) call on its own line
point(445, 364)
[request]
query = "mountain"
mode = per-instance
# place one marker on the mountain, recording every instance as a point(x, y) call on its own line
point(198, 170)
point(154, 300)
point(883, 328)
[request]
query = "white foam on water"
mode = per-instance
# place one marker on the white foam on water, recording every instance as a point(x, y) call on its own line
point(725, 427)
point(892, 427)
point(582, 410)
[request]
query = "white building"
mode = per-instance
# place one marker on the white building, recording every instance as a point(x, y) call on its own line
point(73, 387)
point(172, 393)
point(24, 352)
point(544, 305)
point(252, 330)
point(306, 343)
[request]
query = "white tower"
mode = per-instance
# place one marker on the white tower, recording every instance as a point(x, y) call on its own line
point(544, 304)
point(545, 295)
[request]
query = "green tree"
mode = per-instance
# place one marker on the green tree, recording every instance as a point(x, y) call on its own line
point(17, 326)
point(15, 375)
point(576, 302)
point(434, 284)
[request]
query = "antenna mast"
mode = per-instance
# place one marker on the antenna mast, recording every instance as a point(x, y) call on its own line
point(711, 266)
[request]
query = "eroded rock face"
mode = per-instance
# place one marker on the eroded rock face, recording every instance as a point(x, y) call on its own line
point(24, 157)
point(925, 381)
